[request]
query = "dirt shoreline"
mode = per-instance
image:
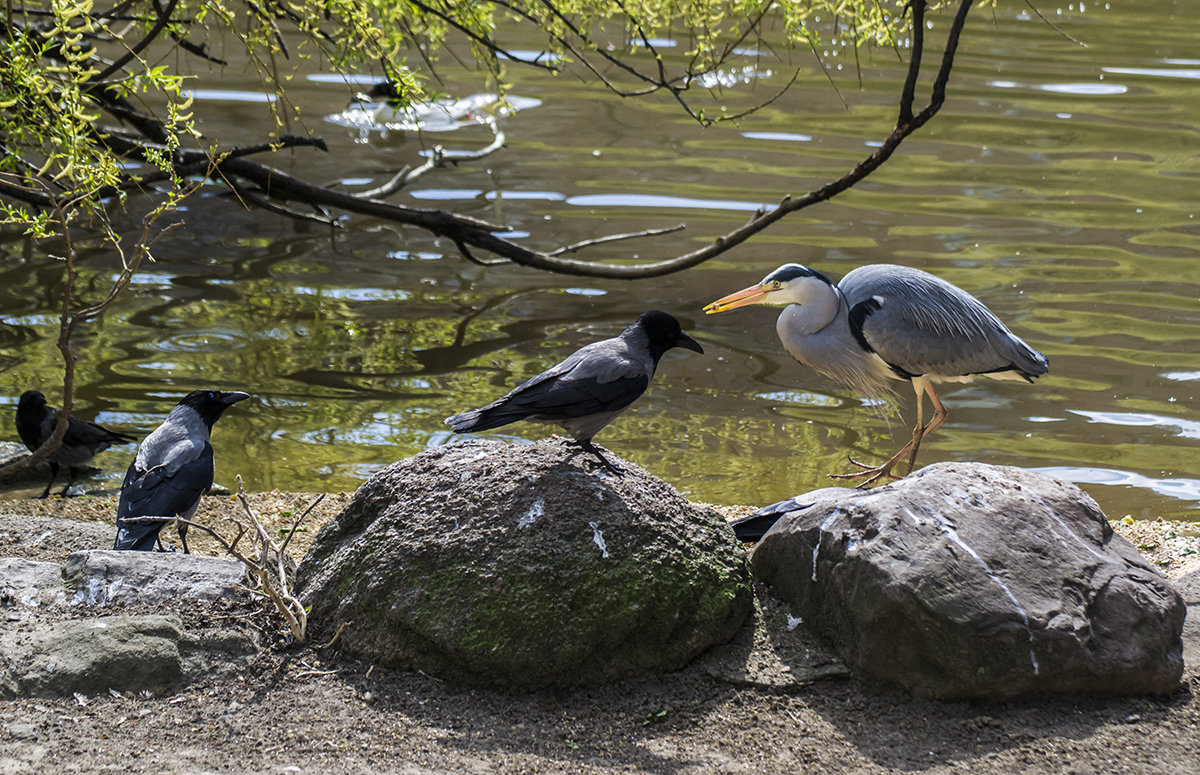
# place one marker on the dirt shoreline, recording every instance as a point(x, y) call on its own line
point(296, 710)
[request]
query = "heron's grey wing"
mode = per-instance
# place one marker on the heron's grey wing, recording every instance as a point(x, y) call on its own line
point(922, 325)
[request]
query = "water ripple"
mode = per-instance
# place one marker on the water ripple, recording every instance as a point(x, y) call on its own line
point(1183, 489)
point(1188, 429)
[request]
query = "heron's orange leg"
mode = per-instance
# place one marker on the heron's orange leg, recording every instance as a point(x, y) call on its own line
point(919, 433)
point(872, 474)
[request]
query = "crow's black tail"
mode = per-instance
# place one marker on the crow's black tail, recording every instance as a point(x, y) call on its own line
point(484, 419)
point(138, 536)
point(752, 528)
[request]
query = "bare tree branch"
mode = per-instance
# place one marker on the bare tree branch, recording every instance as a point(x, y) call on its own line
point(576, 247)
point(438, 158)
point(487, 43)
point(164, 18)
point(471, 235)
point(267, 561)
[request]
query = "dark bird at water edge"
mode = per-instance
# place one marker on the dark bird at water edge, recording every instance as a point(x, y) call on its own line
point(82, 441)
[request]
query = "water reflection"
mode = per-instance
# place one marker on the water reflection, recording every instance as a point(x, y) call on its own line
point(1181, 489)
point(1065, 206)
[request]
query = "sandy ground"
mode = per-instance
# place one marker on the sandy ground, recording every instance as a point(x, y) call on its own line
point(297, 710)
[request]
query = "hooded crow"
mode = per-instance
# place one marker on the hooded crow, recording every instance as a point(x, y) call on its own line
point(590, 388)
point(83, 439)
point(172, 469)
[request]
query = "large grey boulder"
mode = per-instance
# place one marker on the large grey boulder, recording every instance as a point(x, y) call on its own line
point(974, 581)
point(525, 566)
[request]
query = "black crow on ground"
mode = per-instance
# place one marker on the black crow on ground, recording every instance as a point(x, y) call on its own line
point(82, 441)
point(589, 389)
point(172, 469)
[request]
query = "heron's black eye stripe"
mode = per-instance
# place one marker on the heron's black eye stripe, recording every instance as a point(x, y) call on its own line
point(789, 272)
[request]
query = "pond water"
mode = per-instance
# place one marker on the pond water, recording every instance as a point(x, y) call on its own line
point(1061, 185)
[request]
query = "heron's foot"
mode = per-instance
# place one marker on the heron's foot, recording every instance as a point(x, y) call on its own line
point(853, 462)
point(869, 474)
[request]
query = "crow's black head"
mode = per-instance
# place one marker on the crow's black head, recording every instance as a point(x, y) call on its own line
point(31, 411)
point(30, 400)
point(209, 404)
point(384, 89)
point(663, 332)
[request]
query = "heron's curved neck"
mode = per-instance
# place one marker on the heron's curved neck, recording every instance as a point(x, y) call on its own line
point(819, 307)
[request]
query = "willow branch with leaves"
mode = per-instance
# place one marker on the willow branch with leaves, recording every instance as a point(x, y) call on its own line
point(68, 70)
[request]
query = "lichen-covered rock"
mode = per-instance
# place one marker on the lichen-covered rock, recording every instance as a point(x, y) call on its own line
point(106, 576)
point(128, 653)
point(525, 566)
point(974, 581)
point(92, 656)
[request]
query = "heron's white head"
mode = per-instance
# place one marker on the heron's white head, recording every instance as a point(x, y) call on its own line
point(789, 284)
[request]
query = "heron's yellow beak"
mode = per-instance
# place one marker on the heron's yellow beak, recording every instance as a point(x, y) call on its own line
point(752, 295)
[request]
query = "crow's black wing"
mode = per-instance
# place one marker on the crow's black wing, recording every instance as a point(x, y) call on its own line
point(601, 377)
point(572, 395)
point(162, 489)
point(81, 433)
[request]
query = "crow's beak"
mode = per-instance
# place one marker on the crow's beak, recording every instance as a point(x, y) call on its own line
point(752, 295)
point(232, 397)
point(683, 340)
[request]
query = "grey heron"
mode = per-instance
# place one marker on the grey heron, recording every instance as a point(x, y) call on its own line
point(172, 469)
point(884, 322)
point(82, 441)
point(591, 387)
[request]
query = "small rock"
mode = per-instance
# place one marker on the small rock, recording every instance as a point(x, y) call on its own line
point(21, 731)
point(30, 583)
point(103, 577)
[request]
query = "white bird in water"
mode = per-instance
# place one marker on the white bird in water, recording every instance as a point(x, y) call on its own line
point(884, 322)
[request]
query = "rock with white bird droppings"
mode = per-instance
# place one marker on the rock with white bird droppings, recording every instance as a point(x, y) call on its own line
point(540, 569)
point(973, 581)
point(106, 576)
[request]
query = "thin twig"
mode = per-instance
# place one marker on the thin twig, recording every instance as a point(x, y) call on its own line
point(437, 159)
point(296, 525)
point(587, 243)
point(341, 628)
point(1053, 26)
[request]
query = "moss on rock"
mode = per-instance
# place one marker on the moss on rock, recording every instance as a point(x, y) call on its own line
point(525, 566)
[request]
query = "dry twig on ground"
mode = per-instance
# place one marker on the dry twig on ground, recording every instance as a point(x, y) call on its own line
point(270, 566)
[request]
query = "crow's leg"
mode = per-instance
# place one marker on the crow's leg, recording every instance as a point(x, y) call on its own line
point(587, 446)
point(53, 475)
point(73, 474)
